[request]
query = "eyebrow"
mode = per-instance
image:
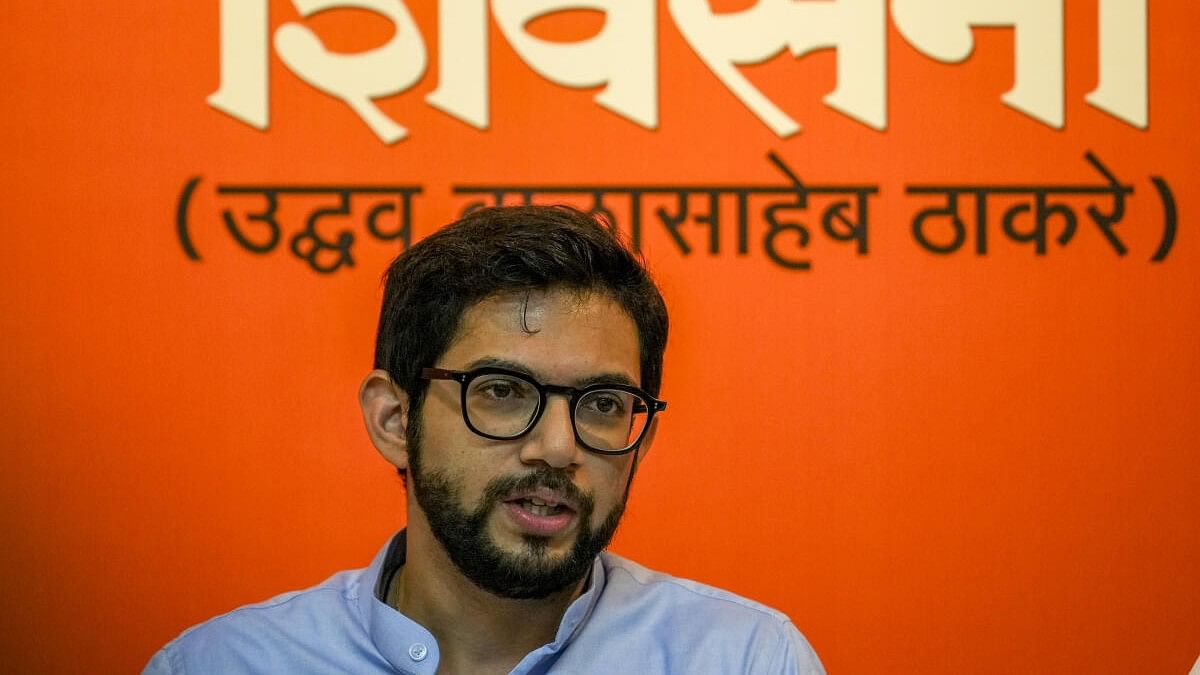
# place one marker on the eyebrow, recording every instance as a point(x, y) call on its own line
point(598, 378)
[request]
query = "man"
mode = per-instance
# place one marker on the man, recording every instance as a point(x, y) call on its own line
point(517, 367)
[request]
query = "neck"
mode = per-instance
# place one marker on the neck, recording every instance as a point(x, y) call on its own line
point(477, 631)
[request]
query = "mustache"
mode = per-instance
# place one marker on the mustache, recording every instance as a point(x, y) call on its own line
point(541, 477)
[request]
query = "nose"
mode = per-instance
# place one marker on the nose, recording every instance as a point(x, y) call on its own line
point(552, 441)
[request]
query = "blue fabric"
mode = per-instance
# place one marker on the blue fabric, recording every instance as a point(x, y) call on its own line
point(630, 620)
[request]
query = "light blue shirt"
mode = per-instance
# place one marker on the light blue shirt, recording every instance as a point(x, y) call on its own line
point(630, 620)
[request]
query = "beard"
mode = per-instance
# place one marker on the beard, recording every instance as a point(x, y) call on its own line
point(531, 573)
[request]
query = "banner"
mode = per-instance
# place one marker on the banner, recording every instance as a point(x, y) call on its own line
point(932, 270)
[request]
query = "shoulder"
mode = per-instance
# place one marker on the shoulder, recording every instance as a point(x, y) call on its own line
point(643, 585)
point(268, 636)
point(711, 629)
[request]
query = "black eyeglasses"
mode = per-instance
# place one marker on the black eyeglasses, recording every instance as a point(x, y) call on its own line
point(502, 405)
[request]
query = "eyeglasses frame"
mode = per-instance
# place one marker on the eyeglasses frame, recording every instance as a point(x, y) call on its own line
point(573, 394)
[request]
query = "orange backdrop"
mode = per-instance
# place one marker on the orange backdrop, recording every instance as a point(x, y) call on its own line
point(935, 463)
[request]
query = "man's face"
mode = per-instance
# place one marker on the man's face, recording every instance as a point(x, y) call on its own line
point(525, 518)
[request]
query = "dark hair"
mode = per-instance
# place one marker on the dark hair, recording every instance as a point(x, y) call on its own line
point(503, 250)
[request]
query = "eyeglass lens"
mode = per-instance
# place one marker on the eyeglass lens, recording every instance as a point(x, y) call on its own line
point(503, 405)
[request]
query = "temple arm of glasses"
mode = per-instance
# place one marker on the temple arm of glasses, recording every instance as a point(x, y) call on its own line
point(442, 374)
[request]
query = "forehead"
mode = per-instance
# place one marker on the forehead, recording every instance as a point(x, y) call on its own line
point(559, 336)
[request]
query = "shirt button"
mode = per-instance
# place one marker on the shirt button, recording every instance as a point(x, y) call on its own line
point(418, 651)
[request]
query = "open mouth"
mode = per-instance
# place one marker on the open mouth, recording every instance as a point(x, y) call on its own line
point(540, 512)
point(540, 508)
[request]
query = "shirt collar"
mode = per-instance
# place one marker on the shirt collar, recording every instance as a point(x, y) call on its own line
point(400, 640)
point(404, 643)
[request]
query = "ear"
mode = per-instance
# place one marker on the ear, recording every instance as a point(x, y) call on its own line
point(385, 412)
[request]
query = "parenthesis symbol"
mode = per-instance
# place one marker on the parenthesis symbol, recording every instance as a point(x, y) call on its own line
point(181, 218)
point(1169, 219)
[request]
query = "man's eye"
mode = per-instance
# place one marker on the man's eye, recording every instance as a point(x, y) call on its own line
point(606, 404)
point(501, 389)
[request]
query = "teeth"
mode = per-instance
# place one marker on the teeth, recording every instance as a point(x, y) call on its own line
point(540, 508)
